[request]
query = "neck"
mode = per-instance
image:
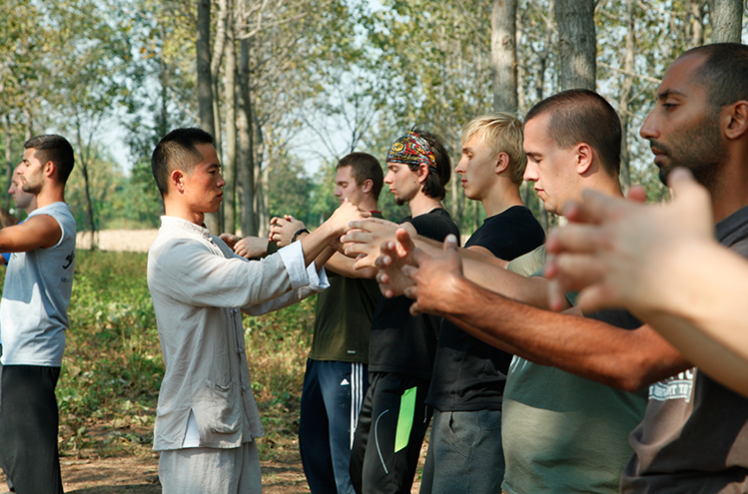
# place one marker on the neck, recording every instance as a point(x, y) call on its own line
point(730, 190)
point(50, 194)
point(178, 209)
point(502, 196)
point(422, 204)
point(368, 204)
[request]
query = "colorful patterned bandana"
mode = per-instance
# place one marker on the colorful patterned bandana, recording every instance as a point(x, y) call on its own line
point(412, 149)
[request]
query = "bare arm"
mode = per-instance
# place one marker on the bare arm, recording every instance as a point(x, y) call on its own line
point(39, 231)
point(651, 259)
point(316, 242)
point(397, 249)
point(627, 359)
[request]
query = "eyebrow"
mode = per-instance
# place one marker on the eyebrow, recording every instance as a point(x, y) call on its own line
point(669, 92)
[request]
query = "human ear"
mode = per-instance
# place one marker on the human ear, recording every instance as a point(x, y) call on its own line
point(738, 124)
point(502, 163)
point(177, 180)
point(49, 168)
point(584, 158)
point(422, 172)
point(367, 185)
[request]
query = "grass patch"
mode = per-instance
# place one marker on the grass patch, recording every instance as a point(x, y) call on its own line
point(112, 369)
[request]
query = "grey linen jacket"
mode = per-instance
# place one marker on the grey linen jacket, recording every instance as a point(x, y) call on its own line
point(199, 288)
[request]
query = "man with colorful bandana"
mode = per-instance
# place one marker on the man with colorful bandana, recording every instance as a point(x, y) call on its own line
point(394, 417)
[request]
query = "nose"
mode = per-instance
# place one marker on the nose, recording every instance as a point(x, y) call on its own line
point(649, 128)
point(388, 177)
point(221, 182)
point(461, 166)
point(338, 191)
point(531, 172)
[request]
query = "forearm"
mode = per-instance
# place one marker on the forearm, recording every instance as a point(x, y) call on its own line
point(699, 309)
point(342, 265)
point(626, 359)
point(316, 242)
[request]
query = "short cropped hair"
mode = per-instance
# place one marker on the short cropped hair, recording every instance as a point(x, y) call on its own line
point(435, 185)
point(581, 115)
point(724, 73)
point(364, 167)
point(177, 151)
point(502, 133)
point(56, 149)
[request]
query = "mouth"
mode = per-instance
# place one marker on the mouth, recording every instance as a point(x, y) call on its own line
point(463, 183)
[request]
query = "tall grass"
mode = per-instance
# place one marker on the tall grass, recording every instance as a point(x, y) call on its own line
point(113, 366)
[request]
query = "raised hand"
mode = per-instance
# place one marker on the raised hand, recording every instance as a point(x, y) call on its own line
point(615, 250)
point(364, 239)
point(344, 215)
point(229, 239)
point(283, 229)
point(394, 255)
point(436, 280)
point(251, 247)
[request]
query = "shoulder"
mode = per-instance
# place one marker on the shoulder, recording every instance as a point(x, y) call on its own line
point(435, 224)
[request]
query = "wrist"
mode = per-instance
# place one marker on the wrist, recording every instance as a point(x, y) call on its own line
point(299, 232)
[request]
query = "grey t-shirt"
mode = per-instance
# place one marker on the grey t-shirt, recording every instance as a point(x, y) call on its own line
point(36, 295)
point(694, 436)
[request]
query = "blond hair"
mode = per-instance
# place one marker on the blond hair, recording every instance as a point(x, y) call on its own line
point(502, 133)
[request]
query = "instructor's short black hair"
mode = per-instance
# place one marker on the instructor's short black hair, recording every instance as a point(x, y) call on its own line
point(177, 151)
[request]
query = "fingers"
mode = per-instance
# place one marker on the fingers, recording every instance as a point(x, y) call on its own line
point(686, 189)
point(637, 193)
point(597, 297)
point(450, 243)
point(576, 271)
point(404, 239)
point(594, 207)
point(578, 238)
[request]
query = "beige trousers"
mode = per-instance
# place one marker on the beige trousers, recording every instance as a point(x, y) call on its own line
point(211, 470)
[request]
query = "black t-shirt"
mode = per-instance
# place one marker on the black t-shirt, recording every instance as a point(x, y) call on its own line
point(468, 373)
point(400, 342)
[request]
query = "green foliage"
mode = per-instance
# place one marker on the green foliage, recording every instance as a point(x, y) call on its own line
point(288, 187)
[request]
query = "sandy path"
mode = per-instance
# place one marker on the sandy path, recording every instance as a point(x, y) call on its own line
point(119, 240)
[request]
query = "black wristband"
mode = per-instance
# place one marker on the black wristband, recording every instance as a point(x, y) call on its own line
point(303, 230)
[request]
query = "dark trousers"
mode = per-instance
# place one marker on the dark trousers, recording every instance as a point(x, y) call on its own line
point(390, 432)
point(28, 428)
point(330, 405)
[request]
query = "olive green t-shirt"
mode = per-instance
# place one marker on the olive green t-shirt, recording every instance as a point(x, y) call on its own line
point(343, 318)
point(561, 432)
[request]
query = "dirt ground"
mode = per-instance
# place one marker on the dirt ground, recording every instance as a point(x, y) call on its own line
point(119, 240)
point(135, 474)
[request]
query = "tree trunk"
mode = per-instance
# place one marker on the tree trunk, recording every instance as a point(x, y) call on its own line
point(204, 87)
point(84, 155)
point(229, 165)
point(727, 21)
point(695, 16)
point(261, 211)
point(219, 46)
point(521, 102)
point(29, 122)
point(503, 55)
point(577, 43)
point(625, 97)
point(8, 159)
point(246, 152)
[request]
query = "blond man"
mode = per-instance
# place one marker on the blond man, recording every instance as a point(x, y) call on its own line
point(467, 382)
